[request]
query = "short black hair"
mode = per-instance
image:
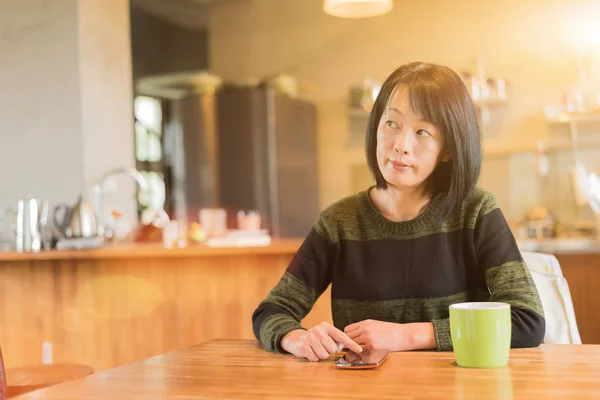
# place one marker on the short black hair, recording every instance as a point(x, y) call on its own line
point(441, 97)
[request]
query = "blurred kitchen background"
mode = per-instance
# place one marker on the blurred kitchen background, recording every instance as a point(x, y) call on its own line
point(262, 104)
point(162, 160)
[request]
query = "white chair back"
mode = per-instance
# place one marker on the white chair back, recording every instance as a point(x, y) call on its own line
point(561, 326)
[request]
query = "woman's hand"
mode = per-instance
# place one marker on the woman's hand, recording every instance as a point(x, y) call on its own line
point(379, 335)
point(318, 342)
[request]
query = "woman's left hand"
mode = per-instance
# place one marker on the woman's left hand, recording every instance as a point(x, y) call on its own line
point(380, 335)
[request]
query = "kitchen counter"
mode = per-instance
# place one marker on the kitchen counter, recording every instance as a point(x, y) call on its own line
point(114, 305)
point(152, 250)
point(561, 246)
point(287, 246)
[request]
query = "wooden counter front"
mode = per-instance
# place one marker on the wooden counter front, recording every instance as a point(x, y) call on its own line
point(582, 272)
point(111, 306)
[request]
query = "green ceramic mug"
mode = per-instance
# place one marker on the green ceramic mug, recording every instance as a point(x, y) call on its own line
point(481, 334)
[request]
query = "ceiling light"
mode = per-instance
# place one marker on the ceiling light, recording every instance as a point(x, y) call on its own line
point(357, 8)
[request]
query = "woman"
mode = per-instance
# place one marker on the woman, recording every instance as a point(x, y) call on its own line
point(423, 238)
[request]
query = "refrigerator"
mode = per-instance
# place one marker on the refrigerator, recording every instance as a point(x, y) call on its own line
point(247, 148)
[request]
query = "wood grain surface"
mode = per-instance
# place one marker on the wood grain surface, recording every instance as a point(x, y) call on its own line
point(109, 312)
point(237, 369)
point(582, 272)
point(153, 250)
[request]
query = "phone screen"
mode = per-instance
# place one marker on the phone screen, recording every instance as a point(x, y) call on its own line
point(366, 359)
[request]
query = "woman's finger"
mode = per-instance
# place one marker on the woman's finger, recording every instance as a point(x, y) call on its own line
point(319, 350)
point(307, 352)
point(354, 334)
point(330, 345)
point(342, 338)
point(361, 340)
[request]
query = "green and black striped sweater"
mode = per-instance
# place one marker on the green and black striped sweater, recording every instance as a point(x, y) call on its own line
point(404, 271)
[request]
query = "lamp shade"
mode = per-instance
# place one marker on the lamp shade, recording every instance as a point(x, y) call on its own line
point(357, 8)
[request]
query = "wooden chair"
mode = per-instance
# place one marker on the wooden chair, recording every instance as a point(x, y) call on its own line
point(16, 381)
point(29, 378)
point(2, 379)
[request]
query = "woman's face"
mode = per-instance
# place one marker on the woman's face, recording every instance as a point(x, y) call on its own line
point(408, 148)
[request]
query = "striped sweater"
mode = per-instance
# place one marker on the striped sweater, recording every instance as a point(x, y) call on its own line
point(404, 271)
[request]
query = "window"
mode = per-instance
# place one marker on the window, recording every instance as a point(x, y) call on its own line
point(148, 113)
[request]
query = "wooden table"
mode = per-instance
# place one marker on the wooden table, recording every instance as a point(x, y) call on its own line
point(239, 369)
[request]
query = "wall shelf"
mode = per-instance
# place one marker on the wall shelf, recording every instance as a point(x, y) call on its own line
point(563, 115)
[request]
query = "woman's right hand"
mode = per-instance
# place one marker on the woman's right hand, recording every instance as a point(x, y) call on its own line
point(318, 342)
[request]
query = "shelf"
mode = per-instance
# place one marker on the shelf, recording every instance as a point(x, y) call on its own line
point(491, 102)
point(563, 115)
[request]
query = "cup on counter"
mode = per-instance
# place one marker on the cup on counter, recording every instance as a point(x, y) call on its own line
point(249, 221)
point(481, 334)
point(213, 221)
point(174, 234)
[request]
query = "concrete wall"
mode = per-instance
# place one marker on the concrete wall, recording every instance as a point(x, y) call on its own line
point(66, 99)
point(107, 99)
point(40, 101)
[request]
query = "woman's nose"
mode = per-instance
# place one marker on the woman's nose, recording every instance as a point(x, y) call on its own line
point(403, 143)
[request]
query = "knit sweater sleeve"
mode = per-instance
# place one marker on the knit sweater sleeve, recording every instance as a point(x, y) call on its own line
point(507, 278)
point(305, 279)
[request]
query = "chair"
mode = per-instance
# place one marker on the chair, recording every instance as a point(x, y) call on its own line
point(2, 379)
point(561, 326)
point(33, 377)
point(16, 381)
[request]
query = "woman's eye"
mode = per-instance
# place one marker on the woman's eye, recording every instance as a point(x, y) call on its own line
point(391, 124)
point(422, 132)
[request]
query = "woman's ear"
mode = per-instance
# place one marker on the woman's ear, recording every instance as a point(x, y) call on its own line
point(445, 157)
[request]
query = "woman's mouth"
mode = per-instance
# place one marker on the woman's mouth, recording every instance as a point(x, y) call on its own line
point(399, 166)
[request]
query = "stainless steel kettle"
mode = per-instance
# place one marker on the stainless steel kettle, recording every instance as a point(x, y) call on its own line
point(31, 220)
point(77, 221)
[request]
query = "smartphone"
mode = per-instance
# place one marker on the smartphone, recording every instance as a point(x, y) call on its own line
point(365, 360)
